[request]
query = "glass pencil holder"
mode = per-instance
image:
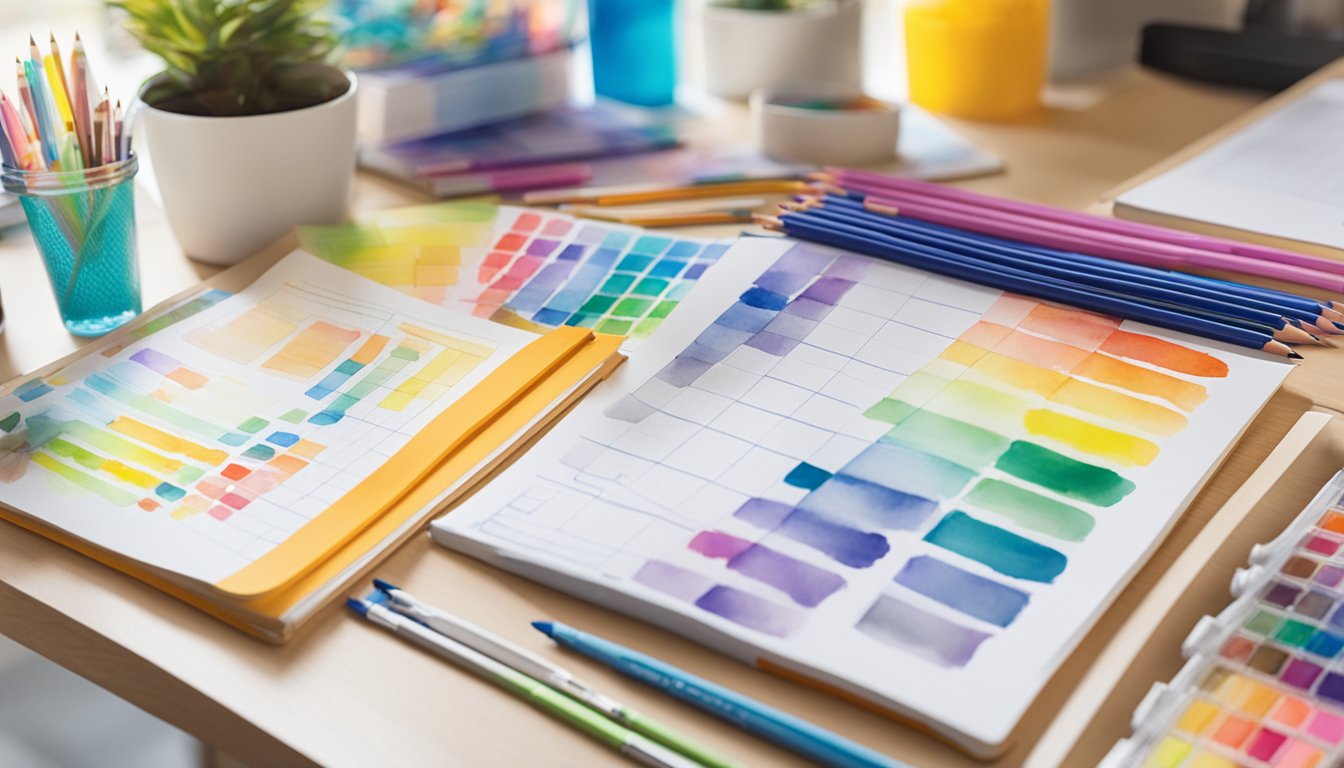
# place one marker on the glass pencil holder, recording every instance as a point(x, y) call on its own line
point(84, 226)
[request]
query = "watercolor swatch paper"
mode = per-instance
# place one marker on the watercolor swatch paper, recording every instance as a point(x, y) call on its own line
point(920, 490)
point(535, 270)
point(215, 433)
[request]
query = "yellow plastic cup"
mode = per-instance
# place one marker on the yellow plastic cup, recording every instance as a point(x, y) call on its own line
point(978, 59)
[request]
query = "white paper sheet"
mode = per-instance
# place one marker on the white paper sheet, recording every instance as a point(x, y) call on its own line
point(663, 494)
point(1281, 176)
point(200, 447)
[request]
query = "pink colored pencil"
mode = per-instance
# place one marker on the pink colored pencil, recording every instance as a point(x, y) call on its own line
point(18, 136)
point(1080, 240)
point(868, 181)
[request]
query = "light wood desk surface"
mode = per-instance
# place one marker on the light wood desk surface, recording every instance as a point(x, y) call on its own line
point(342, 693)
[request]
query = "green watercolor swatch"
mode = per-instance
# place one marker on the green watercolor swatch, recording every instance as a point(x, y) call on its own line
point(956, 441)
point(1063, 475)
point(1031, 510)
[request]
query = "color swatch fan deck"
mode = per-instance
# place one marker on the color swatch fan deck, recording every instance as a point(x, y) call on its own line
point(916, 489)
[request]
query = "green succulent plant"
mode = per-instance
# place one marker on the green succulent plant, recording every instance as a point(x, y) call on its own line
point(228, 58)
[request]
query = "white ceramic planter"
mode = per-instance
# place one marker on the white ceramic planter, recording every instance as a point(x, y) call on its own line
point(232, 185)
point(746, 50)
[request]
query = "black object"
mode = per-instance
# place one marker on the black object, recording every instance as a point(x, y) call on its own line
point(1252, 58)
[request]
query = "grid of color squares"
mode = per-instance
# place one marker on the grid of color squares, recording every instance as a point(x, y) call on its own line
point(552, 270)
point(531, 269)
point(147, 430)
point(1267, 688)
point(1029, 417)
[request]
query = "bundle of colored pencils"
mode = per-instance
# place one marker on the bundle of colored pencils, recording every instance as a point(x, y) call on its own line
point(61, 122)
point(677, 205)
point(1067, 257)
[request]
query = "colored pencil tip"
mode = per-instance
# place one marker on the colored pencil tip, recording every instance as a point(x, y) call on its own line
point(357, 605)
point(383, 586)
point(1295, 356)
point(544, 627)
point(769, 222)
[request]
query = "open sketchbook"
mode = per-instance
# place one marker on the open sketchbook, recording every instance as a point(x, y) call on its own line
point(912, 490)
point(233, 445)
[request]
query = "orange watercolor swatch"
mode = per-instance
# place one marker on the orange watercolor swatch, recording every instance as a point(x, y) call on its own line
point(1183, 394)
point(1164, 354)
point(1071, 326)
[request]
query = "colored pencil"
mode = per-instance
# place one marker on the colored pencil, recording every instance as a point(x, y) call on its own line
point(1216, 309)
point(845, 177)
point(1098, 243)
point(25, 155)
point(943, 263)
point(79, 92)
point(541, 669)
point(1112, 244)
point(794, 733)
point(617, 737)
point(29, 113)
point(635, 194)
point(1094, 270)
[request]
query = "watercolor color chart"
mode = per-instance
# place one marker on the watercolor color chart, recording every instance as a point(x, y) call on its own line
point(220, 429)
point(529, 269)
point(917, 489)
point(1265, 682)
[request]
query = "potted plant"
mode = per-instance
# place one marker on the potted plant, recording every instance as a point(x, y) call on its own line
point(752, 44)
point(250, 132)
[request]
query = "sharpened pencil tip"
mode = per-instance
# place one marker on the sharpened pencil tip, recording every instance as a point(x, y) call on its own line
point(1295, 356)
point(383, 586)
point(357, 605)
point(544, 627)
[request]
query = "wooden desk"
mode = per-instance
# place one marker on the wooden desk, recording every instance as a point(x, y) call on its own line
point(344, 694)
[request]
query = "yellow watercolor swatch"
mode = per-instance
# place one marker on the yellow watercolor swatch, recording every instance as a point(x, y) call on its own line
point(1117, 406)
point(313, 349)
point(1090, 438)
point(166, 442)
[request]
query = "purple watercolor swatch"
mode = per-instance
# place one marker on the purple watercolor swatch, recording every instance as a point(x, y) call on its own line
point(851, 501)
point(805, 583)
point(156, 361)
point(960, 590)
point(750, 611)
point(673, 580)
point(845, 545)
point(933, 638)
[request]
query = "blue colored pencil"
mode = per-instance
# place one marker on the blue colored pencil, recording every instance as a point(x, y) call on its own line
point(1138, 286)
point(856, 200)
point(1299, 308)
point(943, 263)
point(745, 712)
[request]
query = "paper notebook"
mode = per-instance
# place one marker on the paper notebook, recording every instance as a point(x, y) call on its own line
point(247, 451)
point(1280, 177)
point(907, 489)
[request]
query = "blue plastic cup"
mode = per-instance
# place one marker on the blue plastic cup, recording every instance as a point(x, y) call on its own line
point(634, 50)
point(84, 226)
